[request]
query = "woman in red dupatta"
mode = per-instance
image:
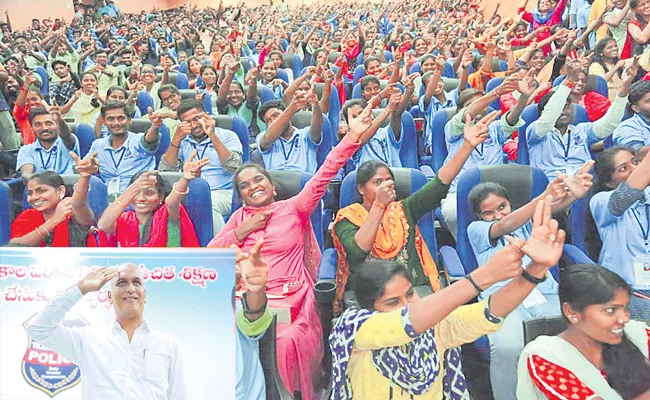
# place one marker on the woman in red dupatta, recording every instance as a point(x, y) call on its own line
point(54, 219)
point(154, 220)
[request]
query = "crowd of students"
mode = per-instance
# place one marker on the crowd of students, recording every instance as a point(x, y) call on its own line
point(563, 88)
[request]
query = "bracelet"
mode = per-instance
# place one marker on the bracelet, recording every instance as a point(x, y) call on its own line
point(374, 203)
point(173, 145)
point(244, 303)
point(43, 235)
point(181, 193)
point(120, 203)
point(39, 233)
point(471, 280)
point(532, 279)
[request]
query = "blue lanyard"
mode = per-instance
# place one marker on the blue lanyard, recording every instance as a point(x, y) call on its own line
point(291, 146)
point(46, 165)
point(567, 147)
point(117, 164)
point(383, 151)
point(480, 153)
point(644, 231)
point(196, 147)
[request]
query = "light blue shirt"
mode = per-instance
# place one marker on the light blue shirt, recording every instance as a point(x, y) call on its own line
point(126, 161)
point(434, 106)
point(382, 146)
point(104, 129)
point(622, 236)
point(214, 173)
point(478, 233)
point(56, 159)
point(248, 369)
point(633, 132)
point(295, 154)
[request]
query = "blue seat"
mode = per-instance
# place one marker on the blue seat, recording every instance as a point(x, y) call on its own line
point(388, 56)
point(45, 84)
point(356, 91)
point(142, 125)
point(282, 74)
point(97, 195)
point(144, 101)
point(594, 82)
point(263, 93)
point(415, 68)
point(490, 86)
point(187, 94)
point(198, 204)
point(85, 135)
point(292, 62)
point(408, 153)
point(288, 184)
point(302, 119)
point(5, 214)
point(358, 74)
point(237, 125)
point(438, 143)
point(529, 115)
point(178, 79)
point(334, 114)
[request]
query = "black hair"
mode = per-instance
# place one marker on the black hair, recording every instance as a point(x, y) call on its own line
point(114, 105)
point(189, 72)
point(160, 184)
point(257, 167)
point(187, 105)
point(466, 95)
point(637, 90)
point(49, 178)
point(37, 111)
point(481, 192)
point(368, 169)
point(351, 103)
point(59, 62)
point(597, 56)
point(81, 76)
point(369, 79)
point(372, 278)
point(101, 51)
point(426, 57)
point(278, 53)
point(603, 171)
point(626, 368)
point(269, 105)
point(168, 87)
point(116, 89)
point(206, 67)
point(368, 61)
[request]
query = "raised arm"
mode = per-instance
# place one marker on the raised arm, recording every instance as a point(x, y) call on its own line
point(109, 218)
point(275, 129)
point(606, 125)
point(191, 170)
point(316, 127)
point(81, 212)
point(64, 130)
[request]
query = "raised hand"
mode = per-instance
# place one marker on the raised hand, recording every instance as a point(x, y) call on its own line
point(395, 99)
point(192, 167)
point(359, 125)
point(477, 133)
point(579, 184)
point(312, 97)
point(386, 193)
point(156, 118)
point(86, 167)
point(253, 223)
point(253, 269)
point(63, 210)
point(544, 246)
point(95, 279)
point(184, 128)
point(207, 124)
point(146, 181)
point(55, 112)
point(30, 80)
point(504, 264)
point(527, 85)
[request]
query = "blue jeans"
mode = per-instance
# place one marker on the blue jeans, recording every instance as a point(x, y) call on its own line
point(507, 343)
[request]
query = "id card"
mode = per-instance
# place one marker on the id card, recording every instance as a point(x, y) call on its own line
point(642, 270)
point(535, 298)
point(113, 186)
point(571, 170)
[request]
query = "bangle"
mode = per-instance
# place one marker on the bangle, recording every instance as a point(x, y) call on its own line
point(244, 303)
point(181, 193)
point(471, 280)
point(532, 279)
point(173, 145)
point(39, 233)
point(376, 204)
point(43, 235)
point(120, 203)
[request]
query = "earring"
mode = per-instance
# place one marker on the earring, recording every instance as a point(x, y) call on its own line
point(61, 196)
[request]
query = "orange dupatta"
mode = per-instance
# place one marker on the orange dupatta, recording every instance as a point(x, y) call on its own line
point(391, 239)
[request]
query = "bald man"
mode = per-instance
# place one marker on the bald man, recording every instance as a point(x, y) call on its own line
point(127, 361)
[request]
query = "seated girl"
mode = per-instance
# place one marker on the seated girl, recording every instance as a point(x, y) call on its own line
point(209, 79)
point(621, 210)
point(293, 259)
point(306, 82)
point(400, 346)
point(383, 228)
point(154, 220)
point(491, 204)
point(86, 102)
point(194, 65)
point(606, 64)
point(269, 78)
point(601, 354)
point(54, 219)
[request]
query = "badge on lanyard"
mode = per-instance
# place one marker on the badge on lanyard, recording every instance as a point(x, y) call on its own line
point(114, 185)
point(642, 270)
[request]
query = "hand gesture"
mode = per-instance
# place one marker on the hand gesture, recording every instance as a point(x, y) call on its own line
point(631, 71)
point(200, 95)
point(386, 193)
point(509, 85)
point(253, 74)
point(192, 168)
point(359, 125)
point(468, 59)
point(95, 279)
point(579, 184)
point(477, 133)
point(299, 102)
point(156, 118)
point(387, 91)
point(207, 124)
point(312, 97)
point(544, 246)
point(504, 264)
point(55, 112)
point(146, 181)
point(30, 80)
point(440, 63)
point(328, 77)
point(63, 210)
point(394, 100)
point(256, 222)
point(86, 167)
point(574, 67)
point(528, 84)
point(253, 269)
point(233, 66)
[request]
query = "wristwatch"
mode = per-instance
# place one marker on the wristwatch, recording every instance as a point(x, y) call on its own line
point(489, 316)
point(247, 310)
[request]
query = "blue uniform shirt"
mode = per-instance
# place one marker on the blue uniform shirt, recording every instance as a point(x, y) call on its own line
point(382, 146)
point(56, 159)
point(214, 173)
point(126, 161)
point(451, 100)
point(633, 132)
point(295, 154)
point(478, 233)
point(622, 236)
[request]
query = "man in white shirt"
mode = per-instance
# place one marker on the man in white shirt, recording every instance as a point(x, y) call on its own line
point(128, 361)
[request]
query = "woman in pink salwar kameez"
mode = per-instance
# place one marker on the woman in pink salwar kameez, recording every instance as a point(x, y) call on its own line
point(292, 254)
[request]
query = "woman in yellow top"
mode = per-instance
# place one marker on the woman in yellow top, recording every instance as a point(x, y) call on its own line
point(86, 102)
point(401, 346)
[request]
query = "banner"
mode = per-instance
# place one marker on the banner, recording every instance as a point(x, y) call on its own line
point(188, 296)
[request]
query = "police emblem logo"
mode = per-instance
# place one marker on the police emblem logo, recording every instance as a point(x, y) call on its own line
point(45, 369)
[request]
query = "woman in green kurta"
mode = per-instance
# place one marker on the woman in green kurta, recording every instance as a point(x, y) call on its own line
point(382, 228)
